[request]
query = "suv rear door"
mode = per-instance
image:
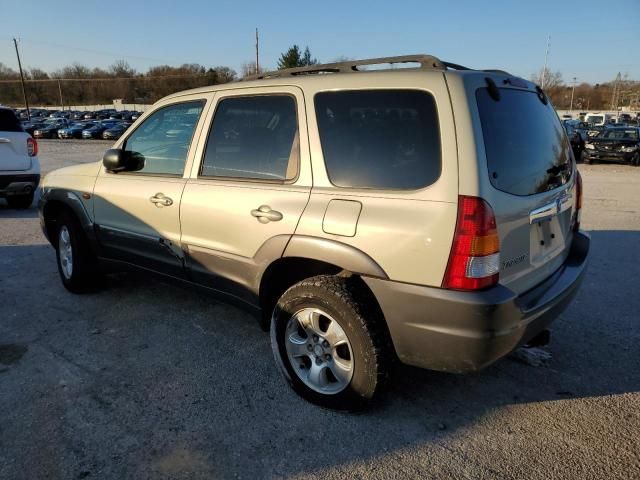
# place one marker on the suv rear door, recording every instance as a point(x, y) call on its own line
point(529, 178)
point(13, 143)
point(249, 184)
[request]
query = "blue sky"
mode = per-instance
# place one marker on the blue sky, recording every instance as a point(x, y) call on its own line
point(591, 40)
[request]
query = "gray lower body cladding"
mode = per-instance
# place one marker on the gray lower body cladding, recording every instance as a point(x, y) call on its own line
point(466, 331)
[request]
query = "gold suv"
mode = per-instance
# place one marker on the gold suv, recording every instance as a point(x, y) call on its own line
point(428, 214)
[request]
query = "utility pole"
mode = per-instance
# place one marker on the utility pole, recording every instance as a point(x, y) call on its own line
point(616, 93)
point(24, 90)
point(546, 56)
point(573, 88)
point(60, 91)
point(257, 54)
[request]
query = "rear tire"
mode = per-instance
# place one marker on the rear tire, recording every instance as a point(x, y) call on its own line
point(331, 347)
point(20, 201)
point(76, 262)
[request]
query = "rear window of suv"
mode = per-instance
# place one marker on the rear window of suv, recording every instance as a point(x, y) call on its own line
point(9, 122)
point(527, 149)
point(379, 139)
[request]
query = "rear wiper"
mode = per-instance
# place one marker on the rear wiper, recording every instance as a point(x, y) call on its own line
point(558, 169)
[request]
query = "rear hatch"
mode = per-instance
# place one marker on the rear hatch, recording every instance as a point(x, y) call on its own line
point(531, 179)
point(13, 143)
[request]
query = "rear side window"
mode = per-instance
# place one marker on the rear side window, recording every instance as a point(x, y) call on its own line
point(9, 122)
point(527, 149)
point(382, 139)
point(254, 138)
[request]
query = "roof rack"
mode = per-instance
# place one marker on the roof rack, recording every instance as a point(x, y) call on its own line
point(427, 62)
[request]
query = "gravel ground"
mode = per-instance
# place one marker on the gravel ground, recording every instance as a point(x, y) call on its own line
point(150, 380)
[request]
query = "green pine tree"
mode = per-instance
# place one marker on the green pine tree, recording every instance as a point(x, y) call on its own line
point(293, 58)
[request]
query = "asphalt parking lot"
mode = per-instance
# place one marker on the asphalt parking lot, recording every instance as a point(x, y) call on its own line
point(150, 380)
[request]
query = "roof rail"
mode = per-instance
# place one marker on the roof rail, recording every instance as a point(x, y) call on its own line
point(427, 62)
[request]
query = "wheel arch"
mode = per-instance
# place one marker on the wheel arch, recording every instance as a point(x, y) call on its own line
point(288, 270)
point(58, 201)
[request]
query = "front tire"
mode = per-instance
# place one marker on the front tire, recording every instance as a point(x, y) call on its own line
point(76, 262)
point(330, 346)
point(635, 160)
point(20, 201)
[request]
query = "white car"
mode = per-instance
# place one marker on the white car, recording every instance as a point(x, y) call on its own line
point(19, 165)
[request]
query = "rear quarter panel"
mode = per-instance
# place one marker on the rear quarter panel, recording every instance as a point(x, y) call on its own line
point(408, 233)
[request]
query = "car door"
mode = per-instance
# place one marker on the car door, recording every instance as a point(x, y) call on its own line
point(249, 184)
point(137, 212)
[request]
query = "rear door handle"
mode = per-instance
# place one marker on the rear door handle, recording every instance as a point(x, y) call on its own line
point(5, 140)
point(543, 213)
point(264, 214)
point(160, 200)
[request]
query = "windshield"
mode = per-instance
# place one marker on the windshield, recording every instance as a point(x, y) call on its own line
point(526, 147)
point(620, 134)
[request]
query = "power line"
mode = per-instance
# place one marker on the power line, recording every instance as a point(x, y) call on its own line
point(107, 79)
point(96, 52)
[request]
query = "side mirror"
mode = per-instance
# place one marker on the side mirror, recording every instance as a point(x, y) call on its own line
point(113, 160)
point(117, 160)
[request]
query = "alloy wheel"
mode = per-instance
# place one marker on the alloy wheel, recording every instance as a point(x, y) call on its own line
point(319, 351)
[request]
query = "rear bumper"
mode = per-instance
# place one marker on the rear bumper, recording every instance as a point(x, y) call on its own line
point(609, 156)
point(465, 331)
point(18, 184)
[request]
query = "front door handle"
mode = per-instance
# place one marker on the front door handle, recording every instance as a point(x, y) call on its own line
point(160, 200)
point(264, 214)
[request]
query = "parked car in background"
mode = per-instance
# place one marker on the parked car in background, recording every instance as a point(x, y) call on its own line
point(135, 116)
point(576, 139)
point(49, 128)
point(61, 114)
point(19, 166)
point(116, 131)
point(96, 129)
point(598, 119)
point(105, 114)
point(74, 130)
point(127, 114)
point(28, 127)
point(620, 144)
point(624, 118)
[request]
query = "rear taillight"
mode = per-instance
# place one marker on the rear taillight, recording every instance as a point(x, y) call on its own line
point(576, 224)
point(32, 147)
point(474, 262)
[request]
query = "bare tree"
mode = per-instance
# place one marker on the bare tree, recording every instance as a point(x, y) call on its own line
point(122, 69)
point(551, 79)
point(249, 68)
